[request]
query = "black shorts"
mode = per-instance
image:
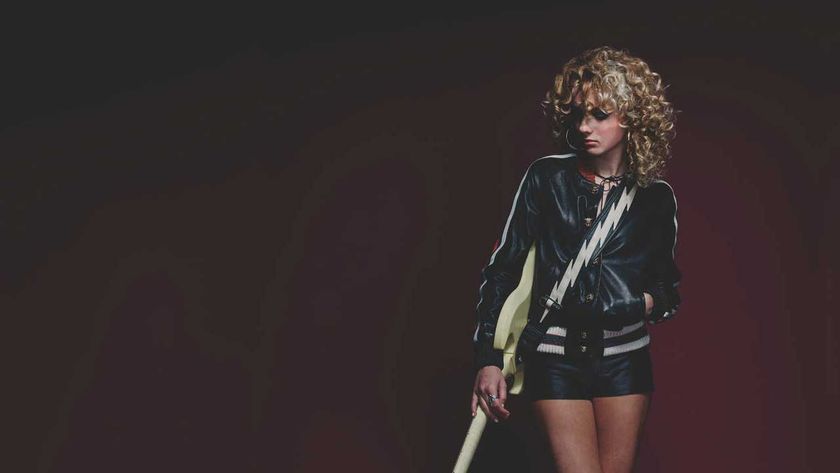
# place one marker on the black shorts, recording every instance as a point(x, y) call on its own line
point(552, 376)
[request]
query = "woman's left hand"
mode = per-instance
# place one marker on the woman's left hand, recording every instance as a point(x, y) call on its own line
point(648, 304)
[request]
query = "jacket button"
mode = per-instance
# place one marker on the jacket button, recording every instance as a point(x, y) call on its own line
point(596, 260)
point(589, 298)
point(583, 348)
point(587, 221)
point(582, 334)
point(594, 189)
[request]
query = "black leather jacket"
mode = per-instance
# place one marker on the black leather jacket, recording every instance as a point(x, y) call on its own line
point(549, 208)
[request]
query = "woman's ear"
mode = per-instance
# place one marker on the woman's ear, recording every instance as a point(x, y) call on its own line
point(621, 121)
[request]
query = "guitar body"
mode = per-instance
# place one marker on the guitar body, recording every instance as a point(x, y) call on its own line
point(511, 323)
point(512, 319)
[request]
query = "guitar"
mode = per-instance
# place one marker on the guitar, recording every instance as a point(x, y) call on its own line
point(514, 314)
point(512, 319)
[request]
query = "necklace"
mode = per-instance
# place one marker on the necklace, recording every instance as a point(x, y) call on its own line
point(613, 180)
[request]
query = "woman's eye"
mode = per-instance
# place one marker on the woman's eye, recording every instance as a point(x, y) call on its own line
point(600, 114)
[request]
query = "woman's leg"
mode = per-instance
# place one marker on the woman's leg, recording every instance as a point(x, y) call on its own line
point(570, 427)
point(619, 421)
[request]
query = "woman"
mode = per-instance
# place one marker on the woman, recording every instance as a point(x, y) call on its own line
point(604, 228)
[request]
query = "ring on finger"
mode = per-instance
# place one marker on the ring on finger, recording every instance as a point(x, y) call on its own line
point(491, 399)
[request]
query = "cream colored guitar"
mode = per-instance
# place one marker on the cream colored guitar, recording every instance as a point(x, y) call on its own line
point(512, 320)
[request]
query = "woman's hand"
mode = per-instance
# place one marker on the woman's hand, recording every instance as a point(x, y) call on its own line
point(648, 304)
point(489, 381)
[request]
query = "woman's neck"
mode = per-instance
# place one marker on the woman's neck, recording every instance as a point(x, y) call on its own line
point(607, 165)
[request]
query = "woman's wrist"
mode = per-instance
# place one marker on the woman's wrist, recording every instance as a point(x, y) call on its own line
point(486, 355)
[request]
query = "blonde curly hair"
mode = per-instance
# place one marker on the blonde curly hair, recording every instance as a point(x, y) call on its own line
point(626, 84)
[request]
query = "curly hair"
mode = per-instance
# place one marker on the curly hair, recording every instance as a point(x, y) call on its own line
point(624, 83)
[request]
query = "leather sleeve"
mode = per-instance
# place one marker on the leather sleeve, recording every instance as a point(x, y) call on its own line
point(665, 277)
point(502, 273)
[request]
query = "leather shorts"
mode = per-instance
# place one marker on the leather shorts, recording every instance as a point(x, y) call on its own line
point(552, 376)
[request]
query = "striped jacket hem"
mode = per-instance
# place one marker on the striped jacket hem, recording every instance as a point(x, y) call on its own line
point(631, 337)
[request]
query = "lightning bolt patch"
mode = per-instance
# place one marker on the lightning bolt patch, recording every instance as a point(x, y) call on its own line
point(599, 236)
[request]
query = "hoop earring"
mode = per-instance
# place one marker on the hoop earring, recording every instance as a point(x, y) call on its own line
point(568, 142)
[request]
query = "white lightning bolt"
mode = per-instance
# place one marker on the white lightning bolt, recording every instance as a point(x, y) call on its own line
point(598, 236)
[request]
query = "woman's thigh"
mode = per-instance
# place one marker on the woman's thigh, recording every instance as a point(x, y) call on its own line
point(570, 427)
point(619, 421)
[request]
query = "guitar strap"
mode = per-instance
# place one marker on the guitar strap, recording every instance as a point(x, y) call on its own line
point(593, 241)
point(590, 246)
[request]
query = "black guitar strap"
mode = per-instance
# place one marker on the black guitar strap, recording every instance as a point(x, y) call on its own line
point(593, 241)
point(590, 246)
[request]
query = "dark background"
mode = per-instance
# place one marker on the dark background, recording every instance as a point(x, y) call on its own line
point(250, 239)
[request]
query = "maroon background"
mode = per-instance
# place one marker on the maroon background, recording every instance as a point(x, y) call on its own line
point(251, 241)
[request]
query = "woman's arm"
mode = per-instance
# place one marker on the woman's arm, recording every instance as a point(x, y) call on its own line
point(665, 276)
point(502, 273)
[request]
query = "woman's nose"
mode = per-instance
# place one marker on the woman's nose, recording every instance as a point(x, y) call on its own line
point(583, 127)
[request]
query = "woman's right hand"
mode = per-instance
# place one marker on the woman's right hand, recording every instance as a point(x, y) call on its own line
point(489, 380)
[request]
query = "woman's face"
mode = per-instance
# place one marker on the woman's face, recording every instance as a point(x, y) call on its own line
point(601, 131)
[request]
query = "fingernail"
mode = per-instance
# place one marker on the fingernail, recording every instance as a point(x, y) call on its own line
point(473, 414)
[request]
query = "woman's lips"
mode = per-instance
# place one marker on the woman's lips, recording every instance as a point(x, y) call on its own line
point(591, 142)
